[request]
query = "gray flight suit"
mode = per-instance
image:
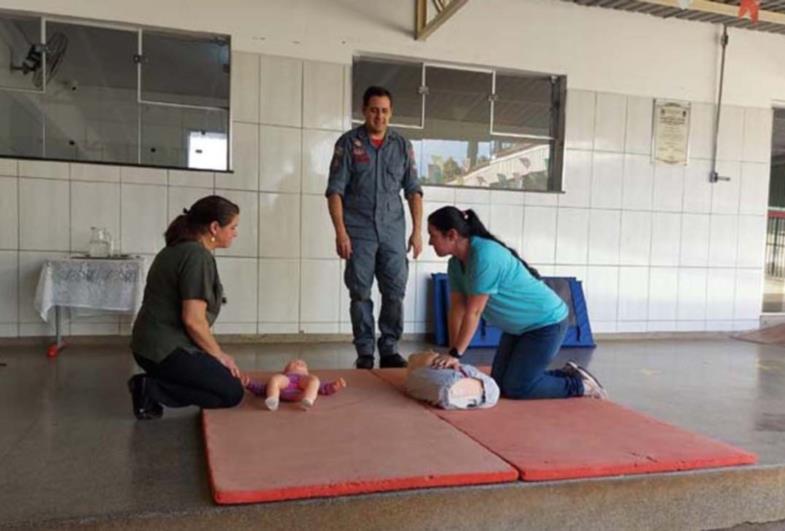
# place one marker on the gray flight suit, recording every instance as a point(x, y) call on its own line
point(370, 181)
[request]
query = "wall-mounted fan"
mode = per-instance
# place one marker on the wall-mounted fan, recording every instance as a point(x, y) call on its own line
point(54, 49)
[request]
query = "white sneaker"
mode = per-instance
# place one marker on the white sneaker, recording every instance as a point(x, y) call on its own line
point(592, 388)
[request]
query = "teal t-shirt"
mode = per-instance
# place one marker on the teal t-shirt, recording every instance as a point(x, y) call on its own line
point(517, 302)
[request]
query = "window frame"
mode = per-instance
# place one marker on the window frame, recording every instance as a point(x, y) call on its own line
point(556, 141)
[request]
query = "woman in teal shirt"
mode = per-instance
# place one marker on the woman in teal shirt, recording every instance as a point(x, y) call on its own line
point(488, 279)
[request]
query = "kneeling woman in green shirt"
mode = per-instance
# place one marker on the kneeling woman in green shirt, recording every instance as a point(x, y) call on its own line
point(171, 340)
point(489, 279)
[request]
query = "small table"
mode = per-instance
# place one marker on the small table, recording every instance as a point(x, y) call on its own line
point(109, 284)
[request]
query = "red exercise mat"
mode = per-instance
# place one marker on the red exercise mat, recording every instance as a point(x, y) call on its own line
point(583, 437)
point(365, 438)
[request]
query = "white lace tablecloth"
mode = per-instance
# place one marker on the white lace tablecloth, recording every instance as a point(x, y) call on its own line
point(91, 283)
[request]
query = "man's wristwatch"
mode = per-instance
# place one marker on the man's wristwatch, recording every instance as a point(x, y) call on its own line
point(454, 353)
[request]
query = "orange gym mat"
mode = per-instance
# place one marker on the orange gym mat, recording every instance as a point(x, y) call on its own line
point(365, 438)
point(583, 437)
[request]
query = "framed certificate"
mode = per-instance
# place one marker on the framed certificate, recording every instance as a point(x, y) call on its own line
point(671, 131)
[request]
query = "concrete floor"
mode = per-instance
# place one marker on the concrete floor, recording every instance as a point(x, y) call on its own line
point(71, 453)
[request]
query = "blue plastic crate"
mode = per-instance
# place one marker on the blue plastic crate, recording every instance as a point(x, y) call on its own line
point(578, 333)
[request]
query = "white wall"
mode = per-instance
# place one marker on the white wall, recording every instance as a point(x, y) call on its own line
point(599, 49)
point(658, 248)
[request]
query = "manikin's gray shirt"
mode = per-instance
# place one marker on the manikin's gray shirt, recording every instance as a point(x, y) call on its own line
point(433, 386)
point(370, 181)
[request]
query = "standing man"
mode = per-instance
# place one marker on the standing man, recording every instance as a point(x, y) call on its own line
point(370, 167)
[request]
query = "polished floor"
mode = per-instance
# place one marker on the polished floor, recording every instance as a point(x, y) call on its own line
point(70, 449)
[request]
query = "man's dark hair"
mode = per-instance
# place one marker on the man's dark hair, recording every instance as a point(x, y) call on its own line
point(374, 91)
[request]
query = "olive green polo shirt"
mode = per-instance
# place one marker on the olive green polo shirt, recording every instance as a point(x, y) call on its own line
point(183, 271)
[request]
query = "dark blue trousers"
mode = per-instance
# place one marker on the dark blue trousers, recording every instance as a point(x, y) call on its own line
point(519, 367)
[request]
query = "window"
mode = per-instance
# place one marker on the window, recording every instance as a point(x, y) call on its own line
point(92, 92)
point(479, 127)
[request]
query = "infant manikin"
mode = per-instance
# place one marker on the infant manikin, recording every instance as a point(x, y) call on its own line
point(463, 387)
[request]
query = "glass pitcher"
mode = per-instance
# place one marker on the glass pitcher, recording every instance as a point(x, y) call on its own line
point(100, 243)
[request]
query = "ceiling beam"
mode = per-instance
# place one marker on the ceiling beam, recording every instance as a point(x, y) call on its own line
point(422, 27)
point(718, 8)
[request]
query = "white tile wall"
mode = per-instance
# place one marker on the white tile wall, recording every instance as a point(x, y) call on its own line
point(245, 87)
point(749, 294)
point(247, 241)
point(9, 213)
point(245, 159)
point(9, 280)
point(610, 122)
point(725, 194)
point(757, 135)
point(668, 188)
point(95, 172)
point(143, 218)
point(43, 169)
point(639, 125)
point(131, 175)
point(637, 182)
point(606, 183)
point(634, 286)
point(318, 149)
point(694, 240)
point(323, 97)
point(635, 240)
point(9, 167)
point(754, 188)
point(199, 179)
point(182, 197)
point(239, 280)
point(701, 130)
point(720, 294)
point(663, 293)
point(604, 236)
point(44, 211)
point(692, 294)
point(93, 205)
point(731, 134)
point(572, 236)
point(279, 291)
point(602, 293)
point(539, 234)
point(752, 241)
point(723, 241)
point(280, 159)
point(658, 248)
point(318, 239)
point(319, 291)
point(665, 238)
point(279, 225)
point(697, 188)
point(281, 91)
point(506, 223)
point(579, 126)
point(577, 179)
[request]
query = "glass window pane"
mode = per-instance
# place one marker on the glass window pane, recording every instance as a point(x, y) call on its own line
point(509, 164)
point(403, 80)
point(458, 104)
point(522, 105)
point(168, 133)
point(21, 59)
point(90, 100)
point(21, 124)
point(185, 69)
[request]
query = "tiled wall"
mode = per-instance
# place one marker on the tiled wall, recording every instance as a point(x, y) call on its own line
point(658, 248)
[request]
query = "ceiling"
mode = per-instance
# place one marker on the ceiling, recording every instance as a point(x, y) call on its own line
point(772, 12)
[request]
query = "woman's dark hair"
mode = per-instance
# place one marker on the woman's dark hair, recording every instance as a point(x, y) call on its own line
point(195, 221)
point(467, 224)
point(374, 92)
